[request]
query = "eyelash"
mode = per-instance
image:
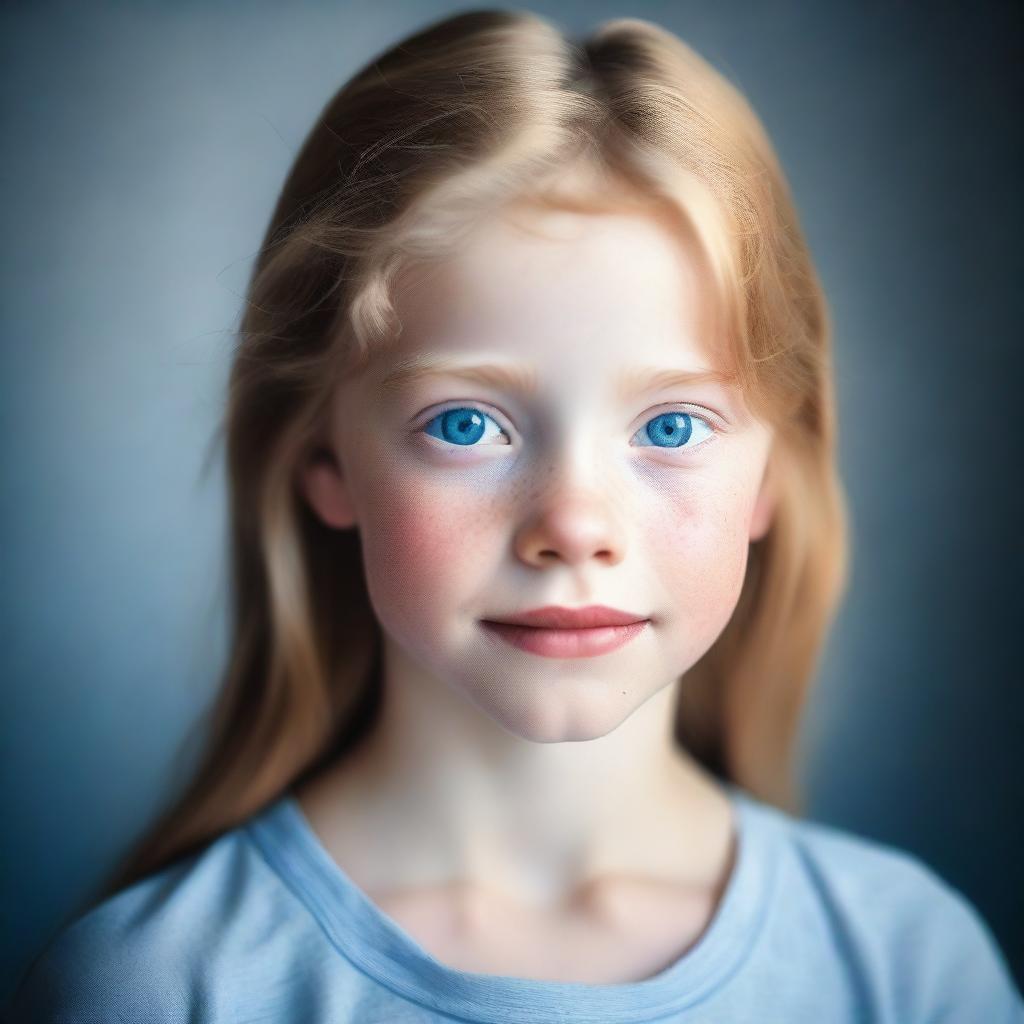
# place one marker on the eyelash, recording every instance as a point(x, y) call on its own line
point(704, 416)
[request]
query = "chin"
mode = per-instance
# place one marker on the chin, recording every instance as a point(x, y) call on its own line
point(560, 711)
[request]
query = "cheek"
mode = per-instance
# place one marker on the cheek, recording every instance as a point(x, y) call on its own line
point(700, 561)
point(421, 545)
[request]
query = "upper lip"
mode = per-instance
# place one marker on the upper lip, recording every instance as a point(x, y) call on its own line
point(557, 617)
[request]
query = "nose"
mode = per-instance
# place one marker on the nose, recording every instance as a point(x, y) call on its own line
point(571, 528)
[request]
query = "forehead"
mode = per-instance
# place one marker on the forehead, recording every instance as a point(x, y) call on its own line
point(564, 291)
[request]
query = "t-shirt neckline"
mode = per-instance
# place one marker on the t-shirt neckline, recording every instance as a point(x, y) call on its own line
point(384, 951)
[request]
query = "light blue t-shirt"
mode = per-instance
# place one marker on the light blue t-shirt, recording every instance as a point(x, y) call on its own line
point(816, 926)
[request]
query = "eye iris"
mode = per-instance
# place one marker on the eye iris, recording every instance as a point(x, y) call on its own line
point(674, 428)
point(462, 426)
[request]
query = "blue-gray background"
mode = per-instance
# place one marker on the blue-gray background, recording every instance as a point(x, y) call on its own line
point(144, 146)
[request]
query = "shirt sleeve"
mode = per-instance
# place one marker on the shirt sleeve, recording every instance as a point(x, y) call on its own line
point(955, 971)
point(84, 977)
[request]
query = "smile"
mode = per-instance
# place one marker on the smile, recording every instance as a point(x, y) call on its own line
point(566, 643)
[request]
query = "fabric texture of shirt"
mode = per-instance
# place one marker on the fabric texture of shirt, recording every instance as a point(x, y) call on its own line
point(815, 925)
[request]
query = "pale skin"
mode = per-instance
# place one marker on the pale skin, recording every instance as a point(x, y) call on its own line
point(519, 814)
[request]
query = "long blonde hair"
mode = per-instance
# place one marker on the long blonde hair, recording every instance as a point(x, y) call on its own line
point(468, 114)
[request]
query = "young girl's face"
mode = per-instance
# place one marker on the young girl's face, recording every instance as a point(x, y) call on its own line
point(580, 474)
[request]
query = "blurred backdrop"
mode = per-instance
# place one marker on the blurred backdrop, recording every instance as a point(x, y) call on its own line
point(144, 146)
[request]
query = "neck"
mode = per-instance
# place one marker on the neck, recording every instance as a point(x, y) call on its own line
point(484, 807)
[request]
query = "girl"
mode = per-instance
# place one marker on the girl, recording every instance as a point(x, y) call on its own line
point(536, 536)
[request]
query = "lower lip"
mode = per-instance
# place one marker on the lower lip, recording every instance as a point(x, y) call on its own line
point(567, 643)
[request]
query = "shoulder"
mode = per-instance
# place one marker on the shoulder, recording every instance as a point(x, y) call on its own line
point(902, 927)
point(158, 950)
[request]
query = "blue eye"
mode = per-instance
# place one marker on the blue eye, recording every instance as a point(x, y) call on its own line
point(466, 425)
point(462, 426)
point(674, 429)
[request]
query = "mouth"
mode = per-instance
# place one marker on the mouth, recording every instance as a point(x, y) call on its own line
point(554, 632)
point(559, 617)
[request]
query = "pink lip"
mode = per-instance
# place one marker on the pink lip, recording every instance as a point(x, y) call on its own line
point(566, 643)
point(569, 632)
point(557, 617)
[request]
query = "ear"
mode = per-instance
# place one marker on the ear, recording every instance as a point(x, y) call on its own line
point(764, 506)
point(324, 488)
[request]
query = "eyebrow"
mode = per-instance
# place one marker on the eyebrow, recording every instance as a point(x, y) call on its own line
point(524, 379)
